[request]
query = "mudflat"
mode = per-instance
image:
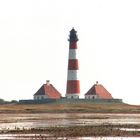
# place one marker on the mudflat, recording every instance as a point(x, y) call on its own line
point(70, 120)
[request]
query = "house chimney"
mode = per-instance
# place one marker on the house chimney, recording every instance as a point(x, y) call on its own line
point(47, 82)
point(97, 82)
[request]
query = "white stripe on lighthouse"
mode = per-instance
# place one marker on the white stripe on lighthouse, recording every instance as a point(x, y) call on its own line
point(73, 54)
point(73, 75)
point(72, 95)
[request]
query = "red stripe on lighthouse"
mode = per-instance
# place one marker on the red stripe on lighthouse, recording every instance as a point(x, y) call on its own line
point(73, 45)
point(73, 86)
point(73, 64)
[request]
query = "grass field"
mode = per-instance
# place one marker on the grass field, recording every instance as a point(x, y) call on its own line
point(69, 108)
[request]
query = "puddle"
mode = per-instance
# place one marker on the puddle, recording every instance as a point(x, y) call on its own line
point(129, 129)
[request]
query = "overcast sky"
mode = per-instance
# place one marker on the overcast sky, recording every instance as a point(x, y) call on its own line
point(34, 46)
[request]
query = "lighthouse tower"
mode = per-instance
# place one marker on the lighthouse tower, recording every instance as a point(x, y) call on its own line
point(73, 83)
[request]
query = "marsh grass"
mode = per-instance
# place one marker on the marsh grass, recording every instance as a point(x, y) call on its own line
point(70, 108)
point(79, 131)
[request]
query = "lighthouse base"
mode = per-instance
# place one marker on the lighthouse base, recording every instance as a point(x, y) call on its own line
point(72, 96)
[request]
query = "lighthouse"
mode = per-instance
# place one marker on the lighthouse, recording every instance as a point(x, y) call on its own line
point(73, 82)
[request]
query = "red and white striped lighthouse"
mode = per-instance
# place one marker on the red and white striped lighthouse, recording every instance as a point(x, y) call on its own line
point(73, 83)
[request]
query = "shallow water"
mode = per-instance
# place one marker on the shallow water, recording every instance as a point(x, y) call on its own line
point(14, 121)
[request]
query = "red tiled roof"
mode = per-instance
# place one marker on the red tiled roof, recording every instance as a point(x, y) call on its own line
point(49, 90)
point(100, 91)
